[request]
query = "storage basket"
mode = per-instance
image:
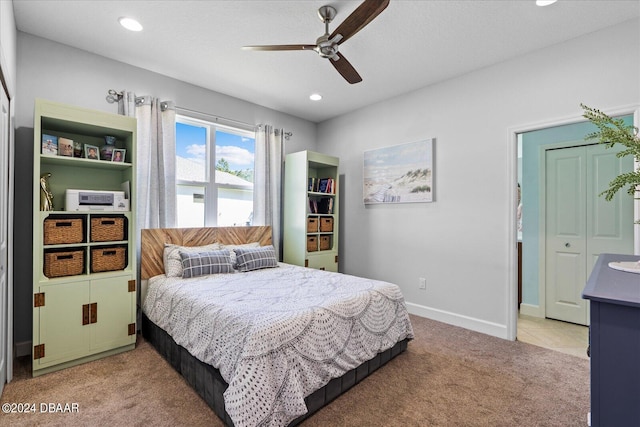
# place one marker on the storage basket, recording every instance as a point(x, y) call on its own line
point(107, 229)
point(312, 243)
point(68, 263)
point(108, 259)
point(58, 231)
point(312, 225)
point(326, 224)
point(325, 243)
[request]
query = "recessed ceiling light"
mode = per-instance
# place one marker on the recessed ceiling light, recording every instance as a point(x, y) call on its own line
point(545, 2)
point(315, 97)
point(130, 24)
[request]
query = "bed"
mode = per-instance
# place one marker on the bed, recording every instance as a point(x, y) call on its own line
point(267, 343)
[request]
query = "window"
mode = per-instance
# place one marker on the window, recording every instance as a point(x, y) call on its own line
point(214, 174)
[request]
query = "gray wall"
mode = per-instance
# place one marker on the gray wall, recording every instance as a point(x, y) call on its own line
point(462, 242)
point(60, 73)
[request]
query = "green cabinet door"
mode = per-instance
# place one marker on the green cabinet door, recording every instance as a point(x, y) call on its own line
point(116, 310)
point(60, 319)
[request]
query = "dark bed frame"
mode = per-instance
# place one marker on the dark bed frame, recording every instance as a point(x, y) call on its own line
point(203, 378)
point(208, 383)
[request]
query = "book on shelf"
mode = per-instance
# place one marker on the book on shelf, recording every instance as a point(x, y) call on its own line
point(321, 185)
point(324, 183)
point(325, 205)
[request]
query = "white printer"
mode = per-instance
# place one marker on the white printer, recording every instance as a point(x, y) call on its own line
point(93, 200)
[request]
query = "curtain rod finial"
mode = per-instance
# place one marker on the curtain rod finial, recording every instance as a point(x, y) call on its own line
point(113, 96)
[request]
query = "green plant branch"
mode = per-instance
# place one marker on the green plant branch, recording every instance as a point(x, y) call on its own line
point(614, 131)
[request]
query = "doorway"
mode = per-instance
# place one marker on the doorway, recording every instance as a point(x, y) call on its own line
point(526, 171)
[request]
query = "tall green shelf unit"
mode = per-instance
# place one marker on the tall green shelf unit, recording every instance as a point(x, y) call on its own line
point(84, 261)
point(311, 210)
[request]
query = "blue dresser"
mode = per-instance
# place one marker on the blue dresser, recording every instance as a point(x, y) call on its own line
point(615, 343)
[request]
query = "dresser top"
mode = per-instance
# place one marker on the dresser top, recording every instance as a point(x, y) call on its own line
point(613, 286)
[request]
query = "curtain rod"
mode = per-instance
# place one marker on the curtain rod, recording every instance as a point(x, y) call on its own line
point(287, 135)
point(215, 118)
point(115, 96)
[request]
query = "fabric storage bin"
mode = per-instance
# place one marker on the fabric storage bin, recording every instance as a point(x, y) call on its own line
point(58, 231)
point(106, 229)
point(312, 243)
point(326, 224)
point(312, 224)
point(63, 263)
point(325, 243)
point(108, 258)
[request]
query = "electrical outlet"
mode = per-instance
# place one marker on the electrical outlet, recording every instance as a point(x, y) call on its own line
point(422, 283)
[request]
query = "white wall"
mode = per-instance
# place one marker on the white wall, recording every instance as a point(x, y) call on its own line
point(461, 243)
point(8, 47)
point(60, 73)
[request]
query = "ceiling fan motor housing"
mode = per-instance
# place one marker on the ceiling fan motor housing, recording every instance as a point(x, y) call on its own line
point(326, 48)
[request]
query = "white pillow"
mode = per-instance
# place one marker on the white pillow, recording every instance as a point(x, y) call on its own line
point(172, 260)
point(233, 247)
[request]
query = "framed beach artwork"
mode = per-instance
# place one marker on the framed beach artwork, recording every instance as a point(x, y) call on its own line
point(399, 174)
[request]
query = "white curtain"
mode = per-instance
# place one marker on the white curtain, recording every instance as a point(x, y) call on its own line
point(155, 159)
point(267, 186)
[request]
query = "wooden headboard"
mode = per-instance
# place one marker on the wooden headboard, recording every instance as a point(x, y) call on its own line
point(153, 240)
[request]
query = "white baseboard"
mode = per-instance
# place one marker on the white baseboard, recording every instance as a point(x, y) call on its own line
point(455, 319)
point(22, 348)
point(531, 310)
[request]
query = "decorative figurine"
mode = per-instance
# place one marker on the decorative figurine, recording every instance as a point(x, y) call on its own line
point(46, 197)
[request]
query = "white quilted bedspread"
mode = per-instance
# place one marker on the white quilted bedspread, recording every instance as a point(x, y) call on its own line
point(278, 334)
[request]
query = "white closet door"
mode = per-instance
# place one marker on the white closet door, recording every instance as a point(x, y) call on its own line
point(581, 224)
point(566, 234)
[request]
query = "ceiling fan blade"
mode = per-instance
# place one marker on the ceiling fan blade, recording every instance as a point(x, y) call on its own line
point(281, 47)
point(345, 68)
point(359, 18)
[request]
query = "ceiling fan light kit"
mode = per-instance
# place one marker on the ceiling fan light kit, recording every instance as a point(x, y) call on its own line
point(327, 44)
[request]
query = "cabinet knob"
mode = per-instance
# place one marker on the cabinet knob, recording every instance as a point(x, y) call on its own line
point(567, 245)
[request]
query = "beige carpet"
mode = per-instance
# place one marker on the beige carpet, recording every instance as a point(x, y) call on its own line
point(448, 377)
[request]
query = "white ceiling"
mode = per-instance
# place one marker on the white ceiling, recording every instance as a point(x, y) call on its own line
point(411, 44)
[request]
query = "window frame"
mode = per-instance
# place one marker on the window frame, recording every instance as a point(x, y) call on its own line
point(211, 187)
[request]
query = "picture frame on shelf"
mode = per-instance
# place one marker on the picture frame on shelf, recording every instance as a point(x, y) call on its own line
point(399, 174)
point(91, 152)
point(65, 147)
point(117, 155)
point(49, 145)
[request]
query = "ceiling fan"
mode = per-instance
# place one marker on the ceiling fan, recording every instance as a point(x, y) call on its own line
point(327, 44)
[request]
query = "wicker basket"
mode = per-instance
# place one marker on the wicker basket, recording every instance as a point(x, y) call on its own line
point(108, 229)
point(312, 243)
point(325, 243)
point(108, 259)
point(58, 264)
point(312, 225)
point(326, 224)
point(58, 231)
